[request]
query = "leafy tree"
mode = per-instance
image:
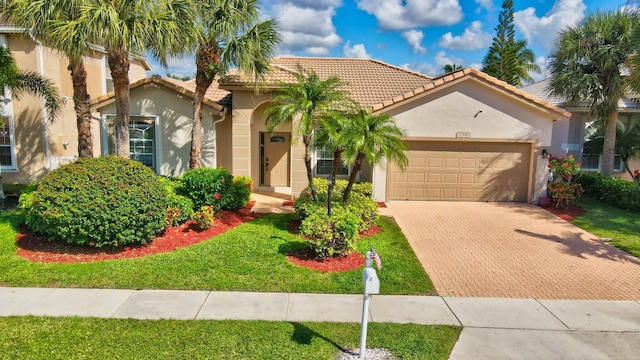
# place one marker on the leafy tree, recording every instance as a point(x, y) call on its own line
point(372, 137)
point(19, 81)
point(331, 135)
point(627, 142)
point(43, 19)
point(229, 34)
point(507, 59)
point(451, 68)
point(586, 68)
point(305, 103)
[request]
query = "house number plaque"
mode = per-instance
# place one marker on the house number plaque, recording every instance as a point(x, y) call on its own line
point(463, 134)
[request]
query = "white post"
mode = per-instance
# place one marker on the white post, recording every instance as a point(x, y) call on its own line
point(365, 313)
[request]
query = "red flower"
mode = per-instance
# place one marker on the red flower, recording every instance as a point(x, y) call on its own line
point(222, 180)
point(217, 196)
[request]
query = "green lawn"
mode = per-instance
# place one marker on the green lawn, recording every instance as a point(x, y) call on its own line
point(250, 257)
point(86, 338)
point(605, 221)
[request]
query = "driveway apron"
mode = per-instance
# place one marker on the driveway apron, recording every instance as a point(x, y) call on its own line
point(513, 250)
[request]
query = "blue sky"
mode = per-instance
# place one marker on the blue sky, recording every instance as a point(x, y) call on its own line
point(421, 35)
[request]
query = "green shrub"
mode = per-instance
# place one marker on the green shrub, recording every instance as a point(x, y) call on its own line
point(208, 186)
point(107, 201)
point(204, 217)
point(26, 196)
point(620, 193)
point(240, 192)
point(179, 208)
point(331, 236)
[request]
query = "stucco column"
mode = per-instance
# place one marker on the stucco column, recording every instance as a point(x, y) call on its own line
point(241, 141)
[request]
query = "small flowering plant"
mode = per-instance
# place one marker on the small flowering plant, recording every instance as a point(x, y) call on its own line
point(562, 190)
point(636, 176)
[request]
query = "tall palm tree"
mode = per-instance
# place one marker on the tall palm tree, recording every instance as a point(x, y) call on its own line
point(586, 68)
point(331, 134)
point(125, 27)
point(525, 64)
point(305, 103)
point(372, 137)
point(634, 62)
point(19, 81)
point(229, 34)
point(627, 142)
point(42, 18)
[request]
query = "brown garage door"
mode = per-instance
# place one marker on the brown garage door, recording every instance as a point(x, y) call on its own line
point(462, 171)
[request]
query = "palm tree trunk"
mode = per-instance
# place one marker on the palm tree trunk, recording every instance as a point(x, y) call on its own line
point(337, 160)
point(306, 139)
point(119, 64)
point(206, 55)
point(81, 106)
point(352, 177)
point(609, 146)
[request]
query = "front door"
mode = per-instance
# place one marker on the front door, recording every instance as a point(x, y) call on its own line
point(275, 159)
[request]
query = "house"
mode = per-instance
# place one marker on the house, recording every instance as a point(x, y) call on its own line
point(30, 144)
point(571, 134)
point(470, 136)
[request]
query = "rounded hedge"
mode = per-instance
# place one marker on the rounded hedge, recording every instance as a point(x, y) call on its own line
point(106, 201)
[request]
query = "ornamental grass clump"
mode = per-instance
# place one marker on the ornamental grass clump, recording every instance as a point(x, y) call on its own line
point(563, 190)
point(106, 201)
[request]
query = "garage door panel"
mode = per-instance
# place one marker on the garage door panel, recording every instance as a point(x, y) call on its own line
point(462, 171)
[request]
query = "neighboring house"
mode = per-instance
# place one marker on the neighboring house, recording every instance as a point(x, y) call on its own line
point(30, 144)
point(471, 137)
point(569, 135)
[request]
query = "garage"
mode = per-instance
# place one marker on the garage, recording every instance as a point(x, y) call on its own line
point(462, 171)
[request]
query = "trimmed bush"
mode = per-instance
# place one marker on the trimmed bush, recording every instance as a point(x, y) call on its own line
point(26, 196)
point(204, 217)
point(216, 188)
point(179, 208)
point(620, 193)
point(331, 236)
point(106, 201)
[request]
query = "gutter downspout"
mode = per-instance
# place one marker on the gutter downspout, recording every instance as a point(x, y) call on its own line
point(223, 114)
point(45, 116)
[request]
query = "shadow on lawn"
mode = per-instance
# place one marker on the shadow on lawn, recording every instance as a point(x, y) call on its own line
point(575, 245)
point(303, 335)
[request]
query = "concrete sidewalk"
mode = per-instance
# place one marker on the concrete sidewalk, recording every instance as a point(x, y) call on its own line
point(494, 328)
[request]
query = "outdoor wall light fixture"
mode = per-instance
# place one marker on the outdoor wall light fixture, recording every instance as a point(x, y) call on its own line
point(545, 153)
point(476, 115)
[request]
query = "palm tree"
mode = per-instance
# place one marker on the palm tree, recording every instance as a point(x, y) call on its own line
point(305, 103)
point(230, 34)
point(451, 68)
point(586, 65)
point(627, 142)
point(18, 81)
point(125, 27)
point(374, 138)
point(331, 134)
point(42, 18)
point(634, 62)
point(526, 64)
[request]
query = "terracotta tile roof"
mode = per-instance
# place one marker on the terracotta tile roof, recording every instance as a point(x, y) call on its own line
point(215, 97)
point(369, 81)
point(438, 82)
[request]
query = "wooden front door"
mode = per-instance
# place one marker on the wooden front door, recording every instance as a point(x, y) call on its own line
point(275, 161)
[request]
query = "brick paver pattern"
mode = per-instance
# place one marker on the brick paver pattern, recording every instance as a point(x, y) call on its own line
point(513, 250)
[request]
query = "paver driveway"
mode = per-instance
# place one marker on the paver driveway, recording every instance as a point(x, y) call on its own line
point(513, 250)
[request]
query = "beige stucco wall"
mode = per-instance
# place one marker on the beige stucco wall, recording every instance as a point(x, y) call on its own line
point(175, 113)
point(27, 112)
point(454, 109)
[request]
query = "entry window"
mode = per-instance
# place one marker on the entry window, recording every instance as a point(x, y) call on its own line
point(592, 162)
point(324, 163)
point(7, 144)
point(142, 139)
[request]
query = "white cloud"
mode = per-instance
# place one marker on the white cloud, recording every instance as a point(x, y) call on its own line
point(414, 38)
point(544, 29)
point(316, 4)
point(424, 68)
point(306, 28)
point(357, 51)
point(473, 38)
point(542, 62)
point(476, 66)
point(408, 14)
point(181, 66)
point(442, 59)
point(487, 4)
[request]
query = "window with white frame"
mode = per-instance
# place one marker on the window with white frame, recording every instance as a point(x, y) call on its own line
point(143, 139)
point(591, 162)
point(7, 139)
point(107, 85)
point(324, 163)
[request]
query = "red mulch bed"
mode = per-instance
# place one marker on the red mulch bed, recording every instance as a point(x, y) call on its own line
point(565, 213)
point(287, 203)
point(306, 258)
point(382, 204)
point(34, 247)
